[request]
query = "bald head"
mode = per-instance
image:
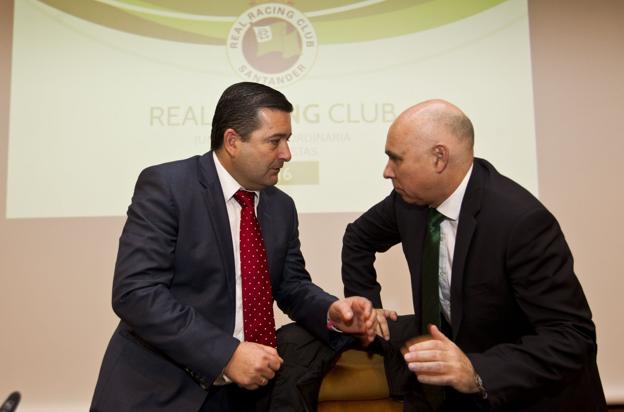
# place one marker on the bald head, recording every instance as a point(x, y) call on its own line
point(438, 120)
point(430, 150)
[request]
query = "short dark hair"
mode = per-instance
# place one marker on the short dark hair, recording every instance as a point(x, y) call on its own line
point(238, 109)
point(461, 126)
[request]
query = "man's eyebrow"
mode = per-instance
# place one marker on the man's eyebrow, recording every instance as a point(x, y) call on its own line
point(281, 135)
point(392, 155)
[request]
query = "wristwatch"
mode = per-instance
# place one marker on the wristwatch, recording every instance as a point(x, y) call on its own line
point(479, 383)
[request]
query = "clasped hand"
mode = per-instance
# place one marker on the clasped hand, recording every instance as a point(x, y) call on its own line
point(253, 365)
point(354, 315)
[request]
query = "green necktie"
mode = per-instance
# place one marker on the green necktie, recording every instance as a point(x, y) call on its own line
point(430, 297)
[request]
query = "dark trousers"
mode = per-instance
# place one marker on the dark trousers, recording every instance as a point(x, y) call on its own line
point(296, 385)
point(232, 398)
point(402, 383)
point(307, 360)
point(227, 398)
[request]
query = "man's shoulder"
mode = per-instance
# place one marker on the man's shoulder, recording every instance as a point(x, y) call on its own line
point(278, 196)
point(176, 172)
point(503, 194)
point(174, 165)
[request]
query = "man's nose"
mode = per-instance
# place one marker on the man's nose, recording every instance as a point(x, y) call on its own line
point(284, 153)
point(388, 173)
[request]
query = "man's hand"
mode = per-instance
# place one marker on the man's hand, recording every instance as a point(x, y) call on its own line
point(252, 365)
point(355, 315)
point(382, 322)
point(436, 360)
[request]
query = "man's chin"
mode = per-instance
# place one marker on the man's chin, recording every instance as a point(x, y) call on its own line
point(272, 179)
point(410, 200)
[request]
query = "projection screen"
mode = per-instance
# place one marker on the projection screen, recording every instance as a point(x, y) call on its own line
point(103, 88)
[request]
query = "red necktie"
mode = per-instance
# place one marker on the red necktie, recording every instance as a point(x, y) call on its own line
point(258, 319)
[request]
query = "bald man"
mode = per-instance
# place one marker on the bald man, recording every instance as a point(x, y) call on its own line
point(515, 330)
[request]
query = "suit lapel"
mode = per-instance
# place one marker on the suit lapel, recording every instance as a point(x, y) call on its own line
point(470, 207)
point(215, 206)
point(265, 219)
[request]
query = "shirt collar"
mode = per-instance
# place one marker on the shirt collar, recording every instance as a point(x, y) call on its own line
point(229, 185)
point(451, 207)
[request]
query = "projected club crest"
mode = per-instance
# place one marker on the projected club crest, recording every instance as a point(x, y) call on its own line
point(272, 43)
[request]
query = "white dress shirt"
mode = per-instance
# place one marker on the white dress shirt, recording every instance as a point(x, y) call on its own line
point(450, 208)
point(230, 186)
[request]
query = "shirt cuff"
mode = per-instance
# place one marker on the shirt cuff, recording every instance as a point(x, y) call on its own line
point(331, 325)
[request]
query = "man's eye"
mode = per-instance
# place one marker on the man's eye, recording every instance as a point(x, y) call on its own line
point(274, 142)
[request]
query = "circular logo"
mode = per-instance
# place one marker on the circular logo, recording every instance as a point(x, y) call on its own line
point(273, 44)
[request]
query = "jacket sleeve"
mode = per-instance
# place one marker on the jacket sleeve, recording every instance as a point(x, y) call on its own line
point(141, 288)
point(299, 298)
point(375, 231)
point(540, 268)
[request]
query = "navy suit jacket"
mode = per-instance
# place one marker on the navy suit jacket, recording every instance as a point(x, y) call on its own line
point(174, 288)
point(517, 308)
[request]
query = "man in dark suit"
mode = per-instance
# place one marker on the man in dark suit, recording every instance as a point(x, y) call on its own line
point(195, 334)
point(515, 328)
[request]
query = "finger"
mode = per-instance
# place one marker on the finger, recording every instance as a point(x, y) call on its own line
point(378, 330)
point(277, 358)
point(272, 354)
point(366, 307)
point(439, 380)
point(270, 350)
point(392, 315)
point(383, 325)
point(423, 356)
point(364, 320)
point(426, 367)
point(364, 311)
point(429, 344)
point(370, 321)
point(342, 311)
point(371, 335)
point(275, 365)
point(437, 334)
point(369, 316)
point(269, 374)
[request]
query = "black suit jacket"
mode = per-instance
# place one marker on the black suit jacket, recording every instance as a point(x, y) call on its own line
point(174, 288)
point(517, 308)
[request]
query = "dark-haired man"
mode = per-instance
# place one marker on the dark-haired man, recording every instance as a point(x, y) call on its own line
point(503, 321)
point(209, 243)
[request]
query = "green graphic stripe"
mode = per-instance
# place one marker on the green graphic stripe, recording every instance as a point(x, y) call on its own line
point(213, 32)
point(424, 16)
point(379, 8)
point(193, 21)
point(125, 21)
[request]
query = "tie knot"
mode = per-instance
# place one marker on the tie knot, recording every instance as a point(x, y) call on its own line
point(434, 218)
point(245, 198)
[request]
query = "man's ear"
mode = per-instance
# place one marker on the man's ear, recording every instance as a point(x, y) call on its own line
point(231, 141)
point(441, 157)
